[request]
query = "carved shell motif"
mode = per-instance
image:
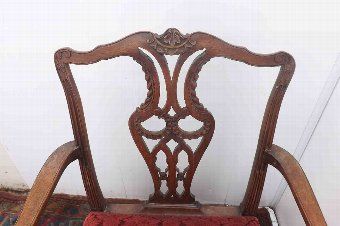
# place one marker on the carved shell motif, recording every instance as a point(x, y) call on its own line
point(171, 42)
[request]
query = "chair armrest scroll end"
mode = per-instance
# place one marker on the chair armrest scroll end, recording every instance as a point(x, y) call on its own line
point(46, 182)
point(302, 191)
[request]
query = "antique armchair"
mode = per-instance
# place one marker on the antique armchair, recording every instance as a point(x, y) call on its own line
point(172, 42)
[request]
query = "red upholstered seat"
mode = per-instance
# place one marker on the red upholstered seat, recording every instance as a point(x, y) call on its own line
point(111, 219)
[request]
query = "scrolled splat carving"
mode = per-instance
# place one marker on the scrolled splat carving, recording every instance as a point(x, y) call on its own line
point(149, 82)
point(192, 81)
point(171, 42)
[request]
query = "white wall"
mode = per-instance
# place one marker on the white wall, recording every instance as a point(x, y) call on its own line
point(10, 177)
point(320, 162)
point(34, 116)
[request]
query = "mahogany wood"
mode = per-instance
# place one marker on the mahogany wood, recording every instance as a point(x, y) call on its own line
point(172, 42)
point(46, 182)
point(296, 178)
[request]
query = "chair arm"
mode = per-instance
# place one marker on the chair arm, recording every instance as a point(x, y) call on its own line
point(46, 182)
point(298, 183)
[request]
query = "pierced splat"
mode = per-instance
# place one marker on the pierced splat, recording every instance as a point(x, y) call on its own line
point(172, 137)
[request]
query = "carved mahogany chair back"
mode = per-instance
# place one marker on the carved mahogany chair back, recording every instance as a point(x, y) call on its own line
point(172, 42)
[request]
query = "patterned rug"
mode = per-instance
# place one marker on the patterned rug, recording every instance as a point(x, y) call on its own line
point(61, 210)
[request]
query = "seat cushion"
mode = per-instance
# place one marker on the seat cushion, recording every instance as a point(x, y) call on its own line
point(111, 219)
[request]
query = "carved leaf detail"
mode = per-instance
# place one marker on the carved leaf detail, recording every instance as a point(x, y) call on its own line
point(171, 42)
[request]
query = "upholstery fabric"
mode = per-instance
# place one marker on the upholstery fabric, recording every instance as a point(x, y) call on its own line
point(110, 219)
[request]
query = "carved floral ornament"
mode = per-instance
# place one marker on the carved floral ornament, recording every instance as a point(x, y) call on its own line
point(171, 42)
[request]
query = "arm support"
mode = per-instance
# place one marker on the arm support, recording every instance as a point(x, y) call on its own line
point(46, 182)
point(298, 183)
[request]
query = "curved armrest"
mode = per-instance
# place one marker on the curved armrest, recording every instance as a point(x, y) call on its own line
point(298, 183)
point(46, 182)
